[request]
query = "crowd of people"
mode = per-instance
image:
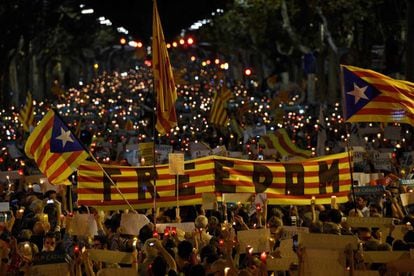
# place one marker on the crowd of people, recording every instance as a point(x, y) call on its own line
point(116, 110)
point(38, 226)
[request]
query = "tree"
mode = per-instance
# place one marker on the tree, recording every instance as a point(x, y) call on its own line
point(281, 32)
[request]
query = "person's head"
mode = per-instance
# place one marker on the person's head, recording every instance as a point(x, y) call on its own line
point(324, 216)
point(208, 254)
point(49, 242)
point(40, 227)
point(185, 250)
point(99, 242)
point(201, 222)
point(112, 224)
point(51, 194)
point(409, 237)
point(275, 225)
point(36, 206)
point(361, 202)
point(157, 267)
point(400, 245)
point(375, 210)
point(146, 232)
point(364, 234)
point(219, 267)
point(316, 227)
point(331, 228)
point(371, 245)
point(27, 250)
point(150, 248)
point(24, 235)
point(335, 216)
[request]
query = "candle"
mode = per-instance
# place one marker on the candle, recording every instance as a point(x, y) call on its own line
point(333, 201)
point(263, 256)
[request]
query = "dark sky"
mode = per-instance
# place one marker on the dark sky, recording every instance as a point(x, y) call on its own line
point(136, 15)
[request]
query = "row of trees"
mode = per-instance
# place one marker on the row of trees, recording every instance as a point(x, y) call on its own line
point(305, 37)
point(44, 40)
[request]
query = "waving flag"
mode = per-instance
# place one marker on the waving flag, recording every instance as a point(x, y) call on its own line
point(55, 149)
point(26, 115)
point(280, 141)
point(218, 113)
point(372, 97)
point(163, 78)
point(286, 183)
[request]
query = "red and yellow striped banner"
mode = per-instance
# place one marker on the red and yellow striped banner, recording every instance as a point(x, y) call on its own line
point(284, 183)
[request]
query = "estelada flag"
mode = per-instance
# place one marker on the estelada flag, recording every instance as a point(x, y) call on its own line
point(55, 149)
point(373, 97)
point(218, 113)
point(26, 115)
point(281, 142)
point(163, 78)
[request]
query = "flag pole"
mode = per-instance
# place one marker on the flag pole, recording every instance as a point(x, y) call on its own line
point(350, 167)
point(154, 122)
point(348, 138)
point(96, 161)
point(154, 139)
point(111, 180)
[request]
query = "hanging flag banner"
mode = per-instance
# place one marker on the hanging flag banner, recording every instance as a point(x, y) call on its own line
point(283, 182)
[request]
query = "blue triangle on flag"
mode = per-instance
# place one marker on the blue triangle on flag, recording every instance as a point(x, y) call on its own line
point(351, 82)
point(62, 138)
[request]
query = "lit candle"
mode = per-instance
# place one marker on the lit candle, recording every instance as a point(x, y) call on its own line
point(333, 201)
point(263, 256)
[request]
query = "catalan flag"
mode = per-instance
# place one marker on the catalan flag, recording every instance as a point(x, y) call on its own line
point(129, 125)
point(283, 182)
point(281, 142)
point(55, 149)
point(26, 115)
point(372, 97)
point(163, 78)
point(218, 113)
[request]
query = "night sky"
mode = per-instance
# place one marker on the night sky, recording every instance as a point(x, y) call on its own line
point(136, 15)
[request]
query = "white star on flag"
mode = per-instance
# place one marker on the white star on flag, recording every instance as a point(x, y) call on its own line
point(358, 93)
point(64, 136)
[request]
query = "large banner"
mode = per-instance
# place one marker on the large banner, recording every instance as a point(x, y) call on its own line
point(283, 182)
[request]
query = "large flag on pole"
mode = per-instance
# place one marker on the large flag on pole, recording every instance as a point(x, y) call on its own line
point(55, 149)
point(218, 112)
point(163, 78)
point(26, 115)
point(372, 97)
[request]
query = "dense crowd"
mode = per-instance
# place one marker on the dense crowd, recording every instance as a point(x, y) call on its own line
point(116, 110)
point(38, 227)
